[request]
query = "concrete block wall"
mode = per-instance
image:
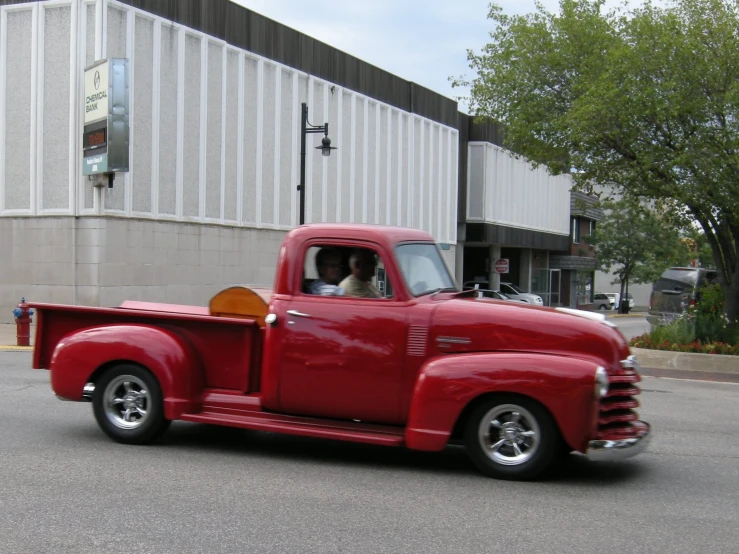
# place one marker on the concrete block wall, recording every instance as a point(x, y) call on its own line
point(36, 262)
point(96, 261)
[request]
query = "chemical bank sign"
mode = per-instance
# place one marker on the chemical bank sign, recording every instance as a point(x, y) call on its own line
point(105, 143)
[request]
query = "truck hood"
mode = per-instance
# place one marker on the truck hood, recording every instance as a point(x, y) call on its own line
point(485, 325)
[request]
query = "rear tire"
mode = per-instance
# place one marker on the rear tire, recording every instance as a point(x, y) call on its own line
point(512, 437)
point(128, 405)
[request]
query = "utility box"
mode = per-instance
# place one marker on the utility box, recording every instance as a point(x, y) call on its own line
point(105, 139)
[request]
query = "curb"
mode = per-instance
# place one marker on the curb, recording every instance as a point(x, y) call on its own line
point(16, 348)
point(689, 361)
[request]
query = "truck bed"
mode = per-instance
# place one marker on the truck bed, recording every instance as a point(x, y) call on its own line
point(228, 347)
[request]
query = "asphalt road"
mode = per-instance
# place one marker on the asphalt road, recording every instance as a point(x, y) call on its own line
point(631, 326)
point(64, 487)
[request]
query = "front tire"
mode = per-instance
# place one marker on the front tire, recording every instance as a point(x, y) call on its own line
point(512, 437)
point(128, 405)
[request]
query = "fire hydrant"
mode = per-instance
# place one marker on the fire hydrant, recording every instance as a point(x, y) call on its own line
point(22, 314)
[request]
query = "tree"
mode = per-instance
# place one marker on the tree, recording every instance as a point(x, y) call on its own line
point(645, 102)
point(635, 244)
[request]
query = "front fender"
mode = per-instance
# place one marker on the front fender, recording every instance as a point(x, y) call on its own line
point(445, 386)
point(167, 355)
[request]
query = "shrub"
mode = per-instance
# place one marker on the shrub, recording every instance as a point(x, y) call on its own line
point(702, 328)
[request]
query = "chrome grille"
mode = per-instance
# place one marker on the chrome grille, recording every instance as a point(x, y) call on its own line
point(617, 418)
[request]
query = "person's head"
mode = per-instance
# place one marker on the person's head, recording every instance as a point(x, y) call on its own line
point(328, 265)
point(363, 264)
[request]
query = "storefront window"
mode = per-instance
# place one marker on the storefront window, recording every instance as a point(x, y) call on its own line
point(584, 286)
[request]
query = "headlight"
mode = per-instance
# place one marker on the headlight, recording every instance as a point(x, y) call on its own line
point(601, 382)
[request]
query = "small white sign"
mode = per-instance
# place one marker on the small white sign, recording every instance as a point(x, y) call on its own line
point(96, 93)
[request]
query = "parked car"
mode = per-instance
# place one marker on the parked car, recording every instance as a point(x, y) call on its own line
point(616, 299)
point(496, 294)
point(675, 290)
point(509, 290)
point(512, 291)
point(602, 301)
point(422, 367)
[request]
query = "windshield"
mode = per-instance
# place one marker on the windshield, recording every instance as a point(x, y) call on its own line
point(423, 268)
point(515, 288)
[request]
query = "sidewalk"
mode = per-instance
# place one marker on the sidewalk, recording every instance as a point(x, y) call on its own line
point(8, 339)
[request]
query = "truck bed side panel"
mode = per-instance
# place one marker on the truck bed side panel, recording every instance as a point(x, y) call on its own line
point(224, 346)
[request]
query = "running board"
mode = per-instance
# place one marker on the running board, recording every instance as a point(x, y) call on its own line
point(306, 427)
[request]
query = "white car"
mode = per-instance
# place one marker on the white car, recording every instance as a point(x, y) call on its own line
point(511, 291)
point(616, 299)
point(514, 292)
point(496, 294)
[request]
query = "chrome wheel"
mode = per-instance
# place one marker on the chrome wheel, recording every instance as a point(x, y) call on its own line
point(509, 434)
point(127, 402)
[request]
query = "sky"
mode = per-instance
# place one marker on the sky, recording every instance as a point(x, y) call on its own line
point(424, 41)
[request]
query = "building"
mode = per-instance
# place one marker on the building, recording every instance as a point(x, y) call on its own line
point(573, 271)
point(509, 211)
point(215, 93)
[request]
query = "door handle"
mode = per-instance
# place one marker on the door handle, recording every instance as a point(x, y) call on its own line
point(297, 313)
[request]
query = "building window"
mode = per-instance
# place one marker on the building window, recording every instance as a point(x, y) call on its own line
point(575, 230)
point(583, 281)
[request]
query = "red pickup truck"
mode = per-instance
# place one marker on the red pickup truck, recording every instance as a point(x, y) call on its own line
point(395, 354)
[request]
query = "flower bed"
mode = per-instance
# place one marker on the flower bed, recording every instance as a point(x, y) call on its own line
point(645, 341)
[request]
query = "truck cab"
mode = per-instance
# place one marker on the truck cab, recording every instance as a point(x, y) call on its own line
point(378, 345)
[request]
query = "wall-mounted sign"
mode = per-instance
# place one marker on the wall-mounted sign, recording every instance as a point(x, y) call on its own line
point(105, 139)
point(501, 265)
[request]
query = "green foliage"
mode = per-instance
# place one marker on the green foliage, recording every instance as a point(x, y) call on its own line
point(635, 244)
point(680, 331)
point(644, 102)
point(703, 328)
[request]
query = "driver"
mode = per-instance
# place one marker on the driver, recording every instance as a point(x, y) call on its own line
point(362, 264)
point(328, 265)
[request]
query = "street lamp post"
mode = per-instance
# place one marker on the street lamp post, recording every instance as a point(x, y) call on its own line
point(325, 148)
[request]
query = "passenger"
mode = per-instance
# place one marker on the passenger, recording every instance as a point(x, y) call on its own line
point(362, 264)
point(328, 265)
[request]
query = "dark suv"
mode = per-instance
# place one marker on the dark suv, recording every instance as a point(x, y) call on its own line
point(675, 290)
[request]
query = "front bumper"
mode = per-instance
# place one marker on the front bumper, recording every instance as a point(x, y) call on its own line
point(612, 450)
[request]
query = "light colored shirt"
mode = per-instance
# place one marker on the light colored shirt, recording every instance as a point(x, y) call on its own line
point(357, 288)
point(324, 289)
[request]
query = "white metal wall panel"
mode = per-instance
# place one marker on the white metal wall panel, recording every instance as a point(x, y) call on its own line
point(395, 197)
point(507, 191)
point(346, 155)
point(214, 130)
point(251, 108)
point(53, 108)
point(333, 189)
point(168, 101)
point(268, 138)
point(231, 133)
point(214, 133)
point(16, 35)
point(286, 158)
point(141, 122)
point(476, 182)
point(371, 163)
point(192, 143)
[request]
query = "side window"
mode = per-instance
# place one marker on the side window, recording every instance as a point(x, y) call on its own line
point(333, 270)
